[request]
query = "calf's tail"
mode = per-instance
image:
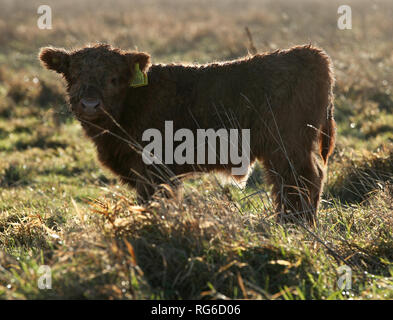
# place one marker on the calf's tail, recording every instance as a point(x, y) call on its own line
point(328, 134)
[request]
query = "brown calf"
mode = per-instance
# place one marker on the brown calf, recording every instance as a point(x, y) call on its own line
point(285, 98)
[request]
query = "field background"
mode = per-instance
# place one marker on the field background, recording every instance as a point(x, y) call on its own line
point(58, 207)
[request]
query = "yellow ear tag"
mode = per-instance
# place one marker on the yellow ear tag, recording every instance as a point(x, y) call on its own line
point(139, 79)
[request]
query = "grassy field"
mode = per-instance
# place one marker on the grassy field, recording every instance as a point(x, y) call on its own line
point(59, 208)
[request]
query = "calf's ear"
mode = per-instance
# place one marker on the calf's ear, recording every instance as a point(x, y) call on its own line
point(55, 59)
point(142, 58)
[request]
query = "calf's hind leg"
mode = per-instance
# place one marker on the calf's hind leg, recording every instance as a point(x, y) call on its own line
point(297, 185)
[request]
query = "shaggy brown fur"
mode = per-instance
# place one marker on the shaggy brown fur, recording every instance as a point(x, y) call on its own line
point(285, 98)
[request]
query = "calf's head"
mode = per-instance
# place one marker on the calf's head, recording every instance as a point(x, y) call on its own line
point(97, 78)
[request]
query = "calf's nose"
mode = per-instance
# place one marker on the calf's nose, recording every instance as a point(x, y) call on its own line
point(90, 105)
